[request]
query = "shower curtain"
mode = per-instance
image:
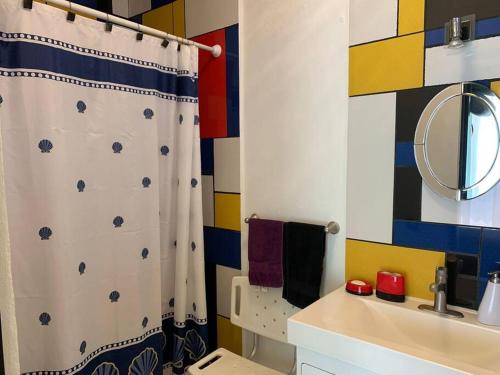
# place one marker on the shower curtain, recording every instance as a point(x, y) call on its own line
point(101, 157)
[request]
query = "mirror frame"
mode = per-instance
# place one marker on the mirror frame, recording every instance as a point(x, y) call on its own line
point(491, 100)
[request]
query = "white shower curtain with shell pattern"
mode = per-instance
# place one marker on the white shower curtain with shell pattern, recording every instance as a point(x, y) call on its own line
point(101, 156)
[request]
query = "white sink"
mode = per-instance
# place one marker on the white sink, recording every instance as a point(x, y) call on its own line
point(393, 338)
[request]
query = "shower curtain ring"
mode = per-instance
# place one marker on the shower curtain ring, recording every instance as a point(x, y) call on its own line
point(109, 25)
point(71, 16)
point(140, 34)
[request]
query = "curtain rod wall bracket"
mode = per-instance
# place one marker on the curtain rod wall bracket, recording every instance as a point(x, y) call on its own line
point(216, 50)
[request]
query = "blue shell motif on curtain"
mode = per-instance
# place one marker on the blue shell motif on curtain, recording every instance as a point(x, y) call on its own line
point(193, 246)
point(181, 119)
point(1, 100)
point(145, 322)
point(194, 182)
point(45, 146)
point(164, 150)
point(81, 268)
point(196, 120)
point(148, 113)
point(146, 181)
point(81, 106)
point(144, 363)
point(144, 253)
point(44, 318)
point(117, 147)
point(195, 345)
point(45, 233)
point(178, 351)
point(80, 185)
point(106, 369)
point(114, 296)
point(83, 346)
point(118, 221)
point(186, 345)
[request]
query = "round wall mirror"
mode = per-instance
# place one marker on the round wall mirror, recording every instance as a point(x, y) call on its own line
point(457, 141)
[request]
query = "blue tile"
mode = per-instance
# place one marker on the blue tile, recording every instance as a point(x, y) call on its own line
point(87, 3)
point(232, 82)
point(484, 82)
point(222, 247)
point(434, 38)
point(434, 236)
point(490, 252)
point(207, 156)
point(488, 28)
point(405, 155)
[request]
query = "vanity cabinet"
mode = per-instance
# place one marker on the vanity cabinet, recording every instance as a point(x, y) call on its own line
point(311, 363)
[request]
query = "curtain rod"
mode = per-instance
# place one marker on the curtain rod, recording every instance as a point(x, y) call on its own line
point(216, 50)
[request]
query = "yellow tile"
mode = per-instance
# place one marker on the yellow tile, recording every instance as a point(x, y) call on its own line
point(228, 335)
point(227, 211)
point(365, 259)
point(495, 87)
point(387, 65)
point(161, 18)
point(411, 16)
point(179, 19)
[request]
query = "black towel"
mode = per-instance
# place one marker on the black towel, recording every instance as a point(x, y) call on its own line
point(303, 253)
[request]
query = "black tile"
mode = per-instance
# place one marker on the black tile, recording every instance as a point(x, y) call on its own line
point(463, 281)
point(105, 6)
point(211, 291)
point(409, 106)
point(407, 194)
point(437, 12)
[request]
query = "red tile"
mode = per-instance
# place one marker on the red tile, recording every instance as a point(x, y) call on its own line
point(212, 87)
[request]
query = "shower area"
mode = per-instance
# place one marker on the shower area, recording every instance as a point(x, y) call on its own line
point(101, 233)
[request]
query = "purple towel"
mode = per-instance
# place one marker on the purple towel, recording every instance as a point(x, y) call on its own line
point(265, 253)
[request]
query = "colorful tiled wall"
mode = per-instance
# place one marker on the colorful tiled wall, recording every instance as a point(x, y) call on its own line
point(397, 64)
point(220, 152)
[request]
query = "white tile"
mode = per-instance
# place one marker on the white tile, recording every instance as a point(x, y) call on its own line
point(372, 20)
point(130, 8)
point(203, 16)
point(207, 183)
point(370, 167)
point(224, 277)
point(477, 60)
point(120, 8)
point(481, 211)
point(136, 7)
point(227, 165)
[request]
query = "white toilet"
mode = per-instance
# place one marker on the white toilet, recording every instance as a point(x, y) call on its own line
point(261, 311)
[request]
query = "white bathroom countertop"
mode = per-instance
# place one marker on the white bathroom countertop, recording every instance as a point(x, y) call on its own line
point(395, 338)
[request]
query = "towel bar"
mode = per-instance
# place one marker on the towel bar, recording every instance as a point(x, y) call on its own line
point(332, 227)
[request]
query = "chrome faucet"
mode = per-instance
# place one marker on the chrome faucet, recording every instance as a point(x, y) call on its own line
point(438, 287)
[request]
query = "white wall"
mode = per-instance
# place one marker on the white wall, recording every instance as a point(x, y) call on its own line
point(293, 117)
